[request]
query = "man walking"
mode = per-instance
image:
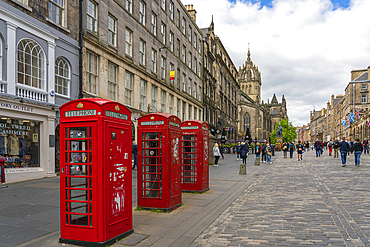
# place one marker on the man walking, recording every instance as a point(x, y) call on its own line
point(264, 152)
point(344, 149)
point(357, 149)
point(336, 146)
point(221, 150)
point(300, 150)
point(330, 146)
point(238, 151)
point(366, 145)
point(318, 148)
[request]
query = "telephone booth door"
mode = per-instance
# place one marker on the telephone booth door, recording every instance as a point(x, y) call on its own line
point(194, 167)
point(159, 162)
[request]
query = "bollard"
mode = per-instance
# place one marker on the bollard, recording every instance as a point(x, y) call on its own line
point(243, 169)
point(257, 161)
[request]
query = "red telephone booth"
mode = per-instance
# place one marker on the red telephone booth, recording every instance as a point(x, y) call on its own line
point(159, 152)
point(195, 156)
point(95, 172)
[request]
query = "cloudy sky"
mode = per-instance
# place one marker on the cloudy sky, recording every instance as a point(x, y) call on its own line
point(305, 49)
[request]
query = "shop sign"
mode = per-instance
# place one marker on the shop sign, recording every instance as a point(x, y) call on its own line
point(16, 107)
point(205, 128)
point(10, 129)
point(17, 170)
point(189, 127)
point(174, 124)
point(116, 115)
point(152, 123)
point(80, 113)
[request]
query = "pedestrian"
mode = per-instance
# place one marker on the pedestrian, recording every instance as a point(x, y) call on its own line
point(238, 151)
point(318, 148)
point(244, 152)
point(366, 146)
point(268, 153)
point(291, 149)
point(264, 152)
point(300, 150)
point(285, 149)
point(216, 153)
point(257, 150)
point(344, 149)
point(221, 150)
point(330, 146)
point(134, 154)
point(325, 145)
point(357, 149)
point(336, 146)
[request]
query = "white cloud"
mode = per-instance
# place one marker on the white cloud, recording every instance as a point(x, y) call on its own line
point(305, 49)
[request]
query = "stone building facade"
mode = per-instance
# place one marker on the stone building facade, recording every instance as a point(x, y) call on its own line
point(39, 60)
point(131, 46)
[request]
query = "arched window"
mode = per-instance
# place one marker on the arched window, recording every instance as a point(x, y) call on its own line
point(1, 61)
point(62, 76)
point(246, 121)
point(31, 64)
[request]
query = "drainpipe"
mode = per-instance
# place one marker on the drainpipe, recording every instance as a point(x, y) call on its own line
point(81, 51)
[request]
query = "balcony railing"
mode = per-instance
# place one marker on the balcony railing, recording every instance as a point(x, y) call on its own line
point(3, 86)
point(31, 93)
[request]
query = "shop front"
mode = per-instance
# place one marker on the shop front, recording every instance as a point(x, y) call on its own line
point(27, 140)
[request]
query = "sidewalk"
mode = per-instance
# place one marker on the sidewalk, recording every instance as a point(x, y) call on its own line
point(29, 211)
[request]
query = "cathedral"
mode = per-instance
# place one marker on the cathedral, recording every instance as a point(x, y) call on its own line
point(255, 115)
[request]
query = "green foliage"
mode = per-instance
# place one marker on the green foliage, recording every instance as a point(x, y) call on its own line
point(210, 164)
point(289, 133)
point(156, 210)
point(230, 145)
point(138, 208)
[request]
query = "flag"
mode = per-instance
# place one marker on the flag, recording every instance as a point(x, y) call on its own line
point(348, 121)
point(358, 112)
point(352, 117)
point(344, 123)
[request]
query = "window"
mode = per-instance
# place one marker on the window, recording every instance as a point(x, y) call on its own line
point(195, 64)
point(363, 86)
point(195, 90)
point(24, 2)
point(170, 103)
point(189, 112)
point(154, 24)
point(183, 111)
point(62, 77)
point(178, 19)
point(171, 11)
point(246, 121)
point(112, 81)
point(128, 88)
point(195, 41)
point(31, 64)
point(183, 26)
point(142, 52)
point(163, 33)
point(183, 82)
point(171, 41)
point(363, 98)
point(200, 94)
point(129, 6)
point(154, 96)
point(1, 63)
point(143, 85)
point(178, 86)
point(91, 16)
point(200, 69)
point(178, 108)
point(189, 86)
point(154, 60)
point(128, 42)
point(142, 12)
point(195, 113)
point(56, 11)
point(163, 4)
point(184, 54)
point(189, 59)
point(163, 68)
point(91, 72)
point(112, 30)
point(200, 46)
point(172, 68)
point(189, 34)
point(163, 101)
point(178, 48)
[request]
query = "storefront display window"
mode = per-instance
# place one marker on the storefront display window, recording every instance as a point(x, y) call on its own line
point(19, 142)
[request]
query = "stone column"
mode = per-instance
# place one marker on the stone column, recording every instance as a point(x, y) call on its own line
point(51, 154)
point(51, 72)
point(12, 57)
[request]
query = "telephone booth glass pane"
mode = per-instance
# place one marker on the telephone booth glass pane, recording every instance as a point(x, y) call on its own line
point(152, 164)
point(189, 159)
point(78, 172)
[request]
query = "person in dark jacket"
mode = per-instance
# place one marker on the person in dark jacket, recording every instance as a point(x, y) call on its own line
point(221, 150)
point(318, 148)
point(244, 152)
point(336, 146)
point(237, 150)
point(257, 150)
point(285, 149)
point(291, 149)
point(344, 149)
point(263, 149)
point(357, 149)
point(134, 154)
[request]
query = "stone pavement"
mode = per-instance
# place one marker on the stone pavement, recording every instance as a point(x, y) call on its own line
point(314, 202)
point(29, 211)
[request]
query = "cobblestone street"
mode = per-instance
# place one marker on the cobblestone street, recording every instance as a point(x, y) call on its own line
point(314, 202)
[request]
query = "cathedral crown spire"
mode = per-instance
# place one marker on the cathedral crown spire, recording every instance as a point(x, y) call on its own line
point(249, 53)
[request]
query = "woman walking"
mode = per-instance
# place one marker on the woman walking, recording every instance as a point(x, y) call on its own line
point(216, 153)
point(285, 149)
point(244, 152)
point(357, 149)
point(238, 151)
point(268, 153)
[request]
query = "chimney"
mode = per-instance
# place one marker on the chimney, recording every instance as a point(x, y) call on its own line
point(192, 12)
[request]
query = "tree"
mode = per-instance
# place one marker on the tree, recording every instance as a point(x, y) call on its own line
point(289, 133)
